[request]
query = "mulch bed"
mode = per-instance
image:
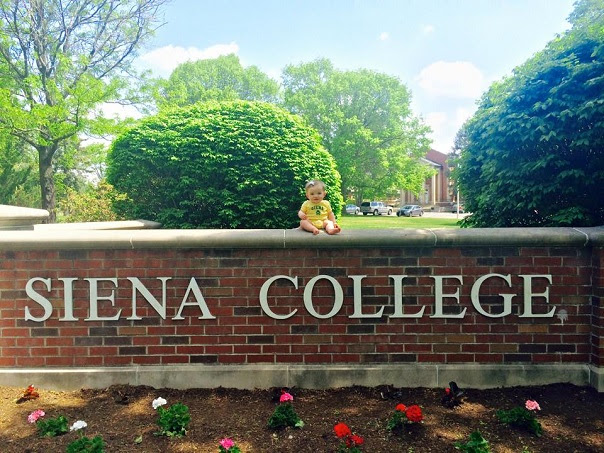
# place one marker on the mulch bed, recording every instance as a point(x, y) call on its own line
point(572, 418)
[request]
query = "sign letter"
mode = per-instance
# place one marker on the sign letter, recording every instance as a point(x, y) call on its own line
point(264, 296)
point(200, 302)
point(358, 303)
point(398, 299)
point(337, 304)
point(438, 297)
point(507, 298)
point(95, 298)
point(43, 301)
point(529, 294)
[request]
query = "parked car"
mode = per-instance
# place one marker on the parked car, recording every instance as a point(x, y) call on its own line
point(352, 209)
point(410, 210)
point(454, 208)
point(375, 208)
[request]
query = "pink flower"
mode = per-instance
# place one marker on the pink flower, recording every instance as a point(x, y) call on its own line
point(532, 405)
point(227, 443)
point(35, 415)
point(285, 397)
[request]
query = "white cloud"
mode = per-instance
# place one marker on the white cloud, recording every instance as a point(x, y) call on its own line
point(462, 114)
point(384, 36)
point(438, 122)
point(445, 126)
point(163, 60)
point(427, 29)
point(436, 119)
point(119, 111)
point(458, 79)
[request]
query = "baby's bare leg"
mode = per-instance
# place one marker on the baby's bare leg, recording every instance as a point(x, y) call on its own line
point(308, 226)
point(331, 228)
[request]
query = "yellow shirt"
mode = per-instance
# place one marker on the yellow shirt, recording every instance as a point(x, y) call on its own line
point(316, 212)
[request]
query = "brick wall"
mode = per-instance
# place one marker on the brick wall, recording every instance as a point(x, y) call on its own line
point(230, 280)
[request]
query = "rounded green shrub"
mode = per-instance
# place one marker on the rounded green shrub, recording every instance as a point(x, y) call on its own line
point(236, 164)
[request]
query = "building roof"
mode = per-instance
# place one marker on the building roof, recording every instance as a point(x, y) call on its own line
point(437, 157)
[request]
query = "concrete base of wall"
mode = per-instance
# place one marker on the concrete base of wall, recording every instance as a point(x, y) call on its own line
point(306, 376)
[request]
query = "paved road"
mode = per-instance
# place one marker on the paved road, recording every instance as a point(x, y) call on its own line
point(441, 215)
point(445, 215)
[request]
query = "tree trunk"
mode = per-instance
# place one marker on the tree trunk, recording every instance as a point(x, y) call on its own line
point(47, 181)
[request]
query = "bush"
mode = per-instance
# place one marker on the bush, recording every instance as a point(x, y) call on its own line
point(87, 445)
point(52, 427)
point(522, 418)
point(91, 205)
point(233, 164)
point(174, 421)
point(476, 444)
point(284, 416)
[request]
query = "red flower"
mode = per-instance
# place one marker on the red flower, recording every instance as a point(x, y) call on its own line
point(400, 408)
point(30, 393)
point(357, 440)
point(414, 413)
point(342, 430)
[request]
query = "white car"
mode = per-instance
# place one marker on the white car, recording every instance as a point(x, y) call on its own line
point(375, 208)
point(352, 209)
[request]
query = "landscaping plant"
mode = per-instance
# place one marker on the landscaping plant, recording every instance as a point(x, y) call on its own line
point(228, 446)
point(52, 427)
point(284, 414)
point(236, 164)
point(522, 417)
point(404, 415)
point(86, 445)
point(350, 442)
point(174, 421)
point(476, 444)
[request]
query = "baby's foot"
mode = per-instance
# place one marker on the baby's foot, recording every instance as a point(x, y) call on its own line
point(334, 230)
point(315, 231)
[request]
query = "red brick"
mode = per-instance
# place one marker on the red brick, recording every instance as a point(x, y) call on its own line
point(260, 358)
point(59, 361)
point(232, 358)
point(175, 359)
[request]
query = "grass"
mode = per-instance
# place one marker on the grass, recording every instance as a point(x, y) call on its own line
point(361, 222)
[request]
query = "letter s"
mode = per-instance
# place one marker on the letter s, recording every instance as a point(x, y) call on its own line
point(33, 295)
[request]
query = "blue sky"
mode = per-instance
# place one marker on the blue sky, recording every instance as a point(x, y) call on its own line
point(447, 52)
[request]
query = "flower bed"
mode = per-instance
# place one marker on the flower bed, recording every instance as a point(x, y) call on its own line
point(127, 420)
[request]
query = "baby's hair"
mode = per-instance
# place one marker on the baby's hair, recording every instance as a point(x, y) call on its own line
point(313, 183)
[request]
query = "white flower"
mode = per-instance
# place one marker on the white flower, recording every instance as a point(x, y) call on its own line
point(158, 402)
point(78, 425)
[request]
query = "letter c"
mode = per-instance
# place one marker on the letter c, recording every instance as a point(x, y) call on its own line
point(264, 293)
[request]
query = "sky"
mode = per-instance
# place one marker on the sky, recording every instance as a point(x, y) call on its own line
point(447, 52)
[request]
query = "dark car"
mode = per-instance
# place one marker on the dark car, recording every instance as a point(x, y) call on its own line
point(410, 210)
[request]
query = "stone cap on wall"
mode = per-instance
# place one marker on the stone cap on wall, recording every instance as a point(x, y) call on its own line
point(49, 239)
point(19, 218)
point(116, 225)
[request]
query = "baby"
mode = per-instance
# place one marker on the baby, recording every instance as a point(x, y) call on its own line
point(315, 213)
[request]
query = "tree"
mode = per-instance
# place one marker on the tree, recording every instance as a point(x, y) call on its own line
point(236, 164)
point(219, 79)
point(17, 172)
point(534, 150)
point(91, 204)
point(366, 123)
point(61, 59)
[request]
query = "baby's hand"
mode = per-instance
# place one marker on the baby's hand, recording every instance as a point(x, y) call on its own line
point(303, 216)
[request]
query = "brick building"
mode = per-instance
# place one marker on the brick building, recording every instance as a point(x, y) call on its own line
point(437, 189)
